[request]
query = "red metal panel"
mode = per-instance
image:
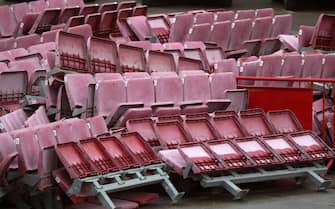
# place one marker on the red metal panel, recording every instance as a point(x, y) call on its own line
point(299, 100)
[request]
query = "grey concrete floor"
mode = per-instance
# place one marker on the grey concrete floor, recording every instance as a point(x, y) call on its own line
point(265, 196)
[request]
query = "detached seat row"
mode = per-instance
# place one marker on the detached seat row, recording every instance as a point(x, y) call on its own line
point(230, 35)
point(38, 16)
point(310, 64)
point(118, 98)
point(45, 150)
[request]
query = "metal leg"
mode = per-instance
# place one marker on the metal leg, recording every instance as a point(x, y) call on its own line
point(233, 189)
point(321, 182)
point(105, 200)
point(171, 190)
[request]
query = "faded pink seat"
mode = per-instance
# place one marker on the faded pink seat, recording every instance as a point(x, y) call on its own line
point(240, 32)
point(7, 43)
point(20, 10)
point(224, 16)
point(180, 27)
point(103, 56)
point(132, 59)
point(76, 86)
point(261, 28)
point(39, 117)
point(245, 14)
point(198, 32)
point(160, 62)
point(220, 34)
point(282, 24)
point(27, 41)
point(106, 7)
point(264, 12)
point(8, 22)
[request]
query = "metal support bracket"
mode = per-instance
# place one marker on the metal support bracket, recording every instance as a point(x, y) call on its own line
point(229, 181)
point(136, 178)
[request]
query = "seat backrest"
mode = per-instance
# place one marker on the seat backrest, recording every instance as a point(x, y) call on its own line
point(84, 30)
point(75, 21)
point(93, 20)
point(160, 62)
point(107, 23)
point(328, 67)
point(292, 66)
point(20, 10)
point(109, 95)
point(196, 87)
point(262, 27)
point(132, 59)
point(245, 14)
point(220, 82)
point(71, 3)
point(199, 32)
point(226, 65)
point(107, 7)
point(7, 43)
point(56, 3)
point(141, 90)
point(126, 4)
point(103, 57)
point(180, 27)
point(71, 52)
point(8, 23)
point(312, 65)
point(76, 86)
point(220, 34)
point(7, 145)
point(140, 26)
point(45, 20)
point(270, 66)
point(140, 10)
point(28, 149)
point(240, 32)
point(97, 125)
point(282, 24)
point(37, 6)
point(13, 121)
point(224, 16)
point(168, 88)
point(305, 35)
point(206, 17)
point(264, 12)
point(107, 76)
point(27, 41)
point(68, 12)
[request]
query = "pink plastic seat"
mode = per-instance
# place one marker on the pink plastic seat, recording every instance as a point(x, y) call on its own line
point(214, 55)
point(57, 4)
point(292, 66)
point(42, 49)
point(49, 36)
point(140, 26)
point(44, 20)
point(107, 24)
point(226, 65)
point(160, 62)
point(89, 9)
point(68, 12)
point(264, 12)
point(270, 66)
point(107, 7)
point(220, 34)
point(107, 76)
point(140, 90)
point(198, 32)
point(180, 27)
point(206, 17)
point(224, 16)
point(20, 10)
point(109, 95)
point(103, 56)
point(245, 14)
point(261, 28)
point(37, 6)
point(312, 65)
point(14, 86)
point(240, 32)
point(84, 30)
point(72, 3)
point(141, 10)
point(75, 21)
point(76, 86)
point(8, 22)
point(126, 5)
point(122, 28)
point(27, 41)
point(7, 43)
point(329, 62)
point(160, 26)
point(97, 126)
point(282, 24)
point(38, 118)
point(8, 155)
point(12, 121)
point(28, 149)
point(71, 52)
point(305, 35)
point(132, 59)
point(93, 20)
point(269, 46)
